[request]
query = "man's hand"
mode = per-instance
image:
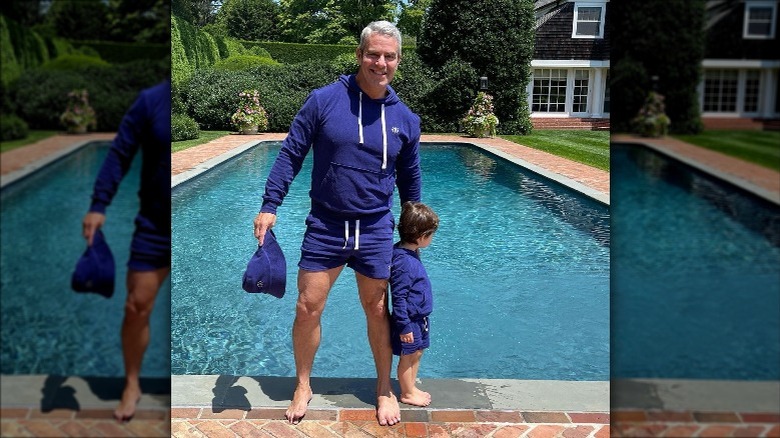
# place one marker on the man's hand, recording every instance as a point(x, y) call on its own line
point(407, 337)
point(263, 221)
point(92, 221)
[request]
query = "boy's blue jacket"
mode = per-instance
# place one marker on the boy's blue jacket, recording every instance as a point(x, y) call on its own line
point(362, 148)
point(410, 289)
point(146, 125)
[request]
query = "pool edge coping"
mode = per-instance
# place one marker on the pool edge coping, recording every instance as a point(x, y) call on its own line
point(32, 167)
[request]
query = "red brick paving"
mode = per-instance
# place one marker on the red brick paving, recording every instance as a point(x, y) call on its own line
point(656, 423)
point(31, 422)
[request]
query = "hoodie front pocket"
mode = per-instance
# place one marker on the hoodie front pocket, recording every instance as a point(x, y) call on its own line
point(349, 189)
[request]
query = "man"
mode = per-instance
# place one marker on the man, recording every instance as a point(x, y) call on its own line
point(365, 141)
point(147, 125)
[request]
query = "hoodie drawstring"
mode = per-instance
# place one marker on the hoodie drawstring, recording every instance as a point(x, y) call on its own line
point(360, 117)
point(357, 234)
point(384, 130)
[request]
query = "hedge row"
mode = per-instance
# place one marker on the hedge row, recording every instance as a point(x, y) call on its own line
point(21, 49)
point(210, 96)
point(292, 53)
point(117, 52)
point(40, 95)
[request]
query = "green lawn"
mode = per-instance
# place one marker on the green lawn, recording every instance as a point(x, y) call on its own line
point(31, 138)
point(205, 137)
point(587, 147)
point(759, 147)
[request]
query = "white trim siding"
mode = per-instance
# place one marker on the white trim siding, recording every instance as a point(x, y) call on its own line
point(730, 91)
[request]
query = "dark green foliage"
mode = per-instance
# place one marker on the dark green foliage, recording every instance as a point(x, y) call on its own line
point(118, 52)
point(331, 21)
point(192, 49)
point(41, 94)
point(211, 96)
point(183, 128)
point(347, 64)
point(478, 32)
point(140, 21)
point(243, 62)
point(12, 128)
point(292, 53)
point(647, 48)
point(79, 19)
point(20, 49)
point(74, 62)
point(252, 20)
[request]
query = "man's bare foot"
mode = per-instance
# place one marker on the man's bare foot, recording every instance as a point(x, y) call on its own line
point(126, 409)
point(388, 412)
point(299, 404)
point(416, 398)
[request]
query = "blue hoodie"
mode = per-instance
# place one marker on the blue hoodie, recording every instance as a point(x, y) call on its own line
point(146, 126)
point(410, 289)
point(362, 148)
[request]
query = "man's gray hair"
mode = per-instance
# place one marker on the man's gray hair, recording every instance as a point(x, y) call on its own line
point(382, 28)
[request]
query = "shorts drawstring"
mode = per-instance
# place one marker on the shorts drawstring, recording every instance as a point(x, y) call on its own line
point(357, 234)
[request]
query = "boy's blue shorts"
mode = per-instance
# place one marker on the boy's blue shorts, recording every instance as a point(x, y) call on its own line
point(365, 244)
point(420, 328)
point(150, 248)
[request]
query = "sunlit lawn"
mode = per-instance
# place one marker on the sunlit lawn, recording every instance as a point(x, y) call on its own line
point(205, 137)
point(31, 138)
point(759, 147)
point(587, 147)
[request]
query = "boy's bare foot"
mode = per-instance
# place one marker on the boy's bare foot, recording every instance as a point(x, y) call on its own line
point(299, 404)
point(416, 398)
point(126, 409)
point(388, 412)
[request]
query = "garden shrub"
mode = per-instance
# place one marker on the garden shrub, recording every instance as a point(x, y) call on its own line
point(183, 127)
point(74, 62)
point(346, 64)
point(41, 94)
point(243, 62)
point(12, 128)
point(259, 51)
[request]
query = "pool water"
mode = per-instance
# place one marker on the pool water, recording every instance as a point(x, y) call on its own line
point(519, 267)
point(695, 273)
point(47, 328)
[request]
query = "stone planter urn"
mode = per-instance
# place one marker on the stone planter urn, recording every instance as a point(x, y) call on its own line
point(77, 129)
point(248, 130)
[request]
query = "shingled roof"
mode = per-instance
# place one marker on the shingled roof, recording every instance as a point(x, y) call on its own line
point(553, 35)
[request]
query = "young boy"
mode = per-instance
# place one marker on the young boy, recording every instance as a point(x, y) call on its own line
point(412, 297)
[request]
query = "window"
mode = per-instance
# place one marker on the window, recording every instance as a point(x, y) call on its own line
point(580, 96)
point(588, 20)
point(760, 20)
point(549, 90)
point(752, 90)
point(606, 96)
point(720, 91)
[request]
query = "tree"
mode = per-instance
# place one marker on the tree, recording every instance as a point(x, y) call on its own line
point(649, 50)
point(411, 17)
point(331, 21)
point(78, 19)
point(496, 37)
point(252, 20)
point(146, 21)
point(196, 12)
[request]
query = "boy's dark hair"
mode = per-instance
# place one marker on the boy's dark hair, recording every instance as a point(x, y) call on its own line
point(417, 220)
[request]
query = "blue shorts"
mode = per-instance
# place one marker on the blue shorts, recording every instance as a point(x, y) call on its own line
point(150, 248)
point(422, 340)
point(365, 244)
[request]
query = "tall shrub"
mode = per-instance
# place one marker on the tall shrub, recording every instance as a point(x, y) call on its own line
point(646, 48)
point(496, 37)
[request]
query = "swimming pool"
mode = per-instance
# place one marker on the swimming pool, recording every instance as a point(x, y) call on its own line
point(695, 273)
point(46, 327)
point(519, 267)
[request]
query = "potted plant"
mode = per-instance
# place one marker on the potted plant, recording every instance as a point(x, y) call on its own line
point(79, 114)
point(250, 116)
point(480, 120)
point(652, 121)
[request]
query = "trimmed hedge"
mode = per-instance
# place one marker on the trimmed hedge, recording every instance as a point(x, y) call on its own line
point(23, 49)
point(40, 95)
point(243, 62)
point(117, 52)
point(293, 53)
point(183, 127)
point(74, 62)
point(12, 128)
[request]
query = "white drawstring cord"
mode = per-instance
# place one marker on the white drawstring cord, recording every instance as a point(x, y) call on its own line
point(346, 234)
point(357, 234)
point(360, 117)
point(384, 139)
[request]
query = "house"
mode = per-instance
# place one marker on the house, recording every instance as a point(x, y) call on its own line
point(739, 87)
point(570, 67)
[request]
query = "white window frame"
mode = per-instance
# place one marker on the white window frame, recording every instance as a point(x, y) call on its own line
point(741, 91)
point(746, 25)
point(603, 9)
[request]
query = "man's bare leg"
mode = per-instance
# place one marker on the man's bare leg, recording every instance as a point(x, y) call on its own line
point(313, 288)
point(373, 297)
point(142, 288)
